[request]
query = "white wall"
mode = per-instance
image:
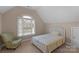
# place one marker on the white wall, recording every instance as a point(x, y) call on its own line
point(59, 14)
point(75, 37)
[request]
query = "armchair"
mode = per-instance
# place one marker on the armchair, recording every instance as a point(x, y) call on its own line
point(10, 40)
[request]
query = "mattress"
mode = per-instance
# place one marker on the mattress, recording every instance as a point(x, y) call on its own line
point(47, 42)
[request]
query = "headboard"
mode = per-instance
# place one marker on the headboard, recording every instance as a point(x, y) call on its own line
point(61, 30)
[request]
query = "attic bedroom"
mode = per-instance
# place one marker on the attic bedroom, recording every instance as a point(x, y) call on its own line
point(39, 29)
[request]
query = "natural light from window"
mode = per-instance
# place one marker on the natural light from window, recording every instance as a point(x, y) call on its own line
point(25, 26)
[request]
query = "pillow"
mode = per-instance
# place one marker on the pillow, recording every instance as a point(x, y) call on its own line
point(55, 33)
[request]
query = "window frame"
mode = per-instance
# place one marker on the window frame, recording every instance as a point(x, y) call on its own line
point(22, 30)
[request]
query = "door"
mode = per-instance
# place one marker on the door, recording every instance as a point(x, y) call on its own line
point(75, 37)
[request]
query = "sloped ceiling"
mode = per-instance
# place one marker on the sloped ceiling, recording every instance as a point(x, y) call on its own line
point(55, 14)
point(4, 9)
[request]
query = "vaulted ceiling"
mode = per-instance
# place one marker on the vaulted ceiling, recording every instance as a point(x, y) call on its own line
point(3, 9)
point(52, 13)
point(59, 14)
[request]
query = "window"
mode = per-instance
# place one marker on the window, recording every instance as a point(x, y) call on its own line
point(25, 26)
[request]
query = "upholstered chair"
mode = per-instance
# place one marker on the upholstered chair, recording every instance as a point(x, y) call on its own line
point(10, 40)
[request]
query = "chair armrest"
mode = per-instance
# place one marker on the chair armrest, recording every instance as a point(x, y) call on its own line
point(16, 38)
point(16, 41)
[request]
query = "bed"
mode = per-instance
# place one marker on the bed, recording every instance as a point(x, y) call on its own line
point(48, 42)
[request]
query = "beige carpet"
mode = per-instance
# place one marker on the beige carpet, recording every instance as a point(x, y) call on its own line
point(25, 47)
point(28, 47)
